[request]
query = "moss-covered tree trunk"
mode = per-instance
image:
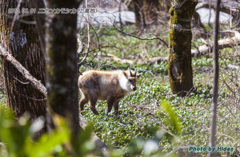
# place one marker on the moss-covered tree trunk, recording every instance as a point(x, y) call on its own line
point(23, 43)
point(180, 36)
point(61, 49)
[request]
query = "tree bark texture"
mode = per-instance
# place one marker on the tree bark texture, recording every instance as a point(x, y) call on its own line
point(61, 49)
point(151, 10)
point(23, 43)
point(139, 15)
point(180, 36)
point(212, 139)
point(167, 4)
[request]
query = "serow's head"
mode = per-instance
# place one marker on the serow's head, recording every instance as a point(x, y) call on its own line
point(132, 80)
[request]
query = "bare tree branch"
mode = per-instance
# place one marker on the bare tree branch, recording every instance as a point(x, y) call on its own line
point(88, 44)
point(153, 38)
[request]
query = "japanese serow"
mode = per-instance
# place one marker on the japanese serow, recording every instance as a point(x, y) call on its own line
point(106, 85)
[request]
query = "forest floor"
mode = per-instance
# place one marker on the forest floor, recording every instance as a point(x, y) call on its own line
point(142, 116)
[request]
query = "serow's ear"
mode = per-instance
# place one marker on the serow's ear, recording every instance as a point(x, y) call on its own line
point(125, 74)
point(138, 75)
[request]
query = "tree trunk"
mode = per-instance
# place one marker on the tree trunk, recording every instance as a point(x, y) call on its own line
point(139, 15)
point(167, 4)
point(180, 36)
point(151, 9)
point(23, 44)
point(212, 139)
point(61, 49)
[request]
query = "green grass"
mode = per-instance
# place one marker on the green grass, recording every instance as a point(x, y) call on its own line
point(142, 114)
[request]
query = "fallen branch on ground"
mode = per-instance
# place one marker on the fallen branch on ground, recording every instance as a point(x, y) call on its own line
point(157, 60)
point(131, 62)
point(109, 56)
point(95, 139)
point(224, 43)
point(201, 50)
point(234, 67)
point(223, 8)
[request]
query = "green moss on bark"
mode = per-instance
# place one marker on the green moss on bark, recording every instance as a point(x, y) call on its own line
point(180, 35)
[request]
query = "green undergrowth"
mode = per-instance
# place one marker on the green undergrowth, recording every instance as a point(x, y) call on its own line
point(152, 113)
point(141, 113)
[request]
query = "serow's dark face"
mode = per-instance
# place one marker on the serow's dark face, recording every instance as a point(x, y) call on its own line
point(132, 80)
point(132, 83)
